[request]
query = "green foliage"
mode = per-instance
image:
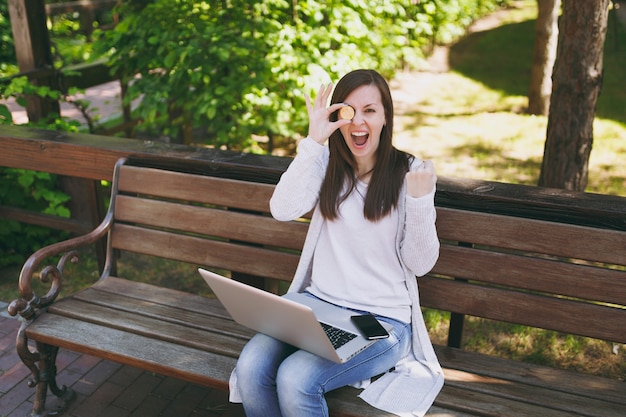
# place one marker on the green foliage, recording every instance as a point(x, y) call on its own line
point(70, 43)
point(197, 61)
point(7, 48)
point(20, 87)
point(30, 190)
point(446, 20)
point(238, 68)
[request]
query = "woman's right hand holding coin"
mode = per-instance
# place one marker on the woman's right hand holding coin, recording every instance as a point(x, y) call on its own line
point(320, 126)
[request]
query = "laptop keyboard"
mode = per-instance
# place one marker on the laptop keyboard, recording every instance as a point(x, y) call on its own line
point(337, 336)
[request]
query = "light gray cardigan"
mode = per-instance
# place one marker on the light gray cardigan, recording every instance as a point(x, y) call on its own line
point(411, 388)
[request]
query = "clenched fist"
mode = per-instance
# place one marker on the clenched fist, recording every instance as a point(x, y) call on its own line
point(421, 180)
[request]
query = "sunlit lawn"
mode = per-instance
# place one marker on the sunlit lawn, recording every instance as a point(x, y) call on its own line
point(470, 120)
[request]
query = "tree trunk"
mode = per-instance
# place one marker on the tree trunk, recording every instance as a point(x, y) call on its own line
point(577, 80)
point(32, 49)
point(544, 55)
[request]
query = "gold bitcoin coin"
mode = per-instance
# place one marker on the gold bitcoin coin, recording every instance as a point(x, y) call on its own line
point(346, 112)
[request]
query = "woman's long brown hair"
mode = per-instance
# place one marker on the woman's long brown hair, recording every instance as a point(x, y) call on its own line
point(390, 167)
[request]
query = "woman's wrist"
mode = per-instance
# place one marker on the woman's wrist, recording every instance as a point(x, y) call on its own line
point(321, 141)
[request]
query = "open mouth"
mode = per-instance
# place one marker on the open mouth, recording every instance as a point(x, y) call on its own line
point(360, 138)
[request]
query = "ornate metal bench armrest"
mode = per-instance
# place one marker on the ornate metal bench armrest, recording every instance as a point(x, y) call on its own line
point(29, 302)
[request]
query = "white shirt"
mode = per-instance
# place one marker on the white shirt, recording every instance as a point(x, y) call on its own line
point(356, 264)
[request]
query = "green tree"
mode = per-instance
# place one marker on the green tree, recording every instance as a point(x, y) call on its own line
point(30, 190)
point(228, 70)
point(8, 61)
point(193, 63)
point(577, 81)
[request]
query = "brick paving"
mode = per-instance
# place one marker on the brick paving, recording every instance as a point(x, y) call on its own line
point(104, 388)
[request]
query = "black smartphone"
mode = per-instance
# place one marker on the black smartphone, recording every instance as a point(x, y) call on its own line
point(369, 327)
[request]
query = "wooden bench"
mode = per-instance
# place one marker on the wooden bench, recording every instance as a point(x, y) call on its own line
point(513, 268)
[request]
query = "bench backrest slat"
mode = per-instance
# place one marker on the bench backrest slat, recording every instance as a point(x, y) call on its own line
point(197, 188)
point(216, 222)
point(535, 310)
point(533, 274)
point(222, 254)
point(518, 233)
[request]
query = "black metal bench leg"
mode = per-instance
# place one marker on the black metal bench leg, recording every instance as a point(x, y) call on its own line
point(44, 376)
point(47, 375)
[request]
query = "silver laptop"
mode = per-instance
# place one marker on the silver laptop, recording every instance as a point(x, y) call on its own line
point(293, 318)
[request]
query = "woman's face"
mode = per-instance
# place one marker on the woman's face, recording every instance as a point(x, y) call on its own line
point(363, 135)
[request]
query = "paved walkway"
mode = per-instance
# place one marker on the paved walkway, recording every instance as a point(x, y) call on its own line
point(105, 102)
point(103, 388)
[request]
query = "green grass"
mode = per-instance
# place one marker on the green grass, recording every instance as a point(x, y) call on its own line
point(471, 120)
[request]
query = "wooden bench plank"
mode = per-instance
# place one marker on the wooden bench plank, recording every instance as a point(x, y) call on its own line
point(563, 315)
point(170, 359)
point(211, 222)
point(543, 377)
point(209, 337)
point(244, 195)
point(219, 254)
point(141, 291)
point(530, 235)
point(199, 319)
point(545, 397)
point(486, 405)
point(524, 272)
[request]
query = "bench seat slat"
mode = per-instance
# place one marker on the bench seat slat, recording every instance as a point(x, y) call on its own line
point(567, 316)
point(197, 188)
point(170, 359)
point(159, 311)
point(487, 405)
point(547, 397)
point(542, 377)
point(219, 254)
point(211, 222)
point(138, 324)
point(159, 295)
point(543, 275)
point(530, 235)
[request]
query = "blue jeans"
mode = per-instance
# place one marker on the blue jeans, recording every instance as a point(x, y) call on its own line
point(276, 379)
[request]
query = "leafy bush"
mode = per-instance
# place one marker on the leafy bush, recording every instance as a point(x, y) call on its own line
point(35, 191)
point(238, 68)
point(7, 48)
point(29, 190)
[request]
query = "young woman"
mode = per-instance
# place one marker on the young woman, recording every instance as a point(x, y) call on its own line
point(372, 231)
